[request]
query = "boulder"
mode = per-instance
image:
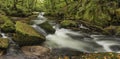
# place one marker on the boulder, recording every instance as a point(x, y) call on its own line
point(4, 43)
point(26, 35)
point(118, 31)
point(6, 24)
point(35, 50)
point(110, 30)
point(117, 12)
point(68, 23)
point(47, 27)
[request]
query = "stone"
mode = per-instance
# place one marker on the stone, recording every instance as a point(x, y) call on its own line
point(26, 35)
point(35, 50)
point(4, 43)
point(47, 27)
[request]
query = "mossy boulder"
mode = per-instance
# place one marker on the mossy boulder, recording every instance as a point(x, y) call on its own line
point(26, 35)
point(117, 12)
point(6, 24)
point(118, 31)
point(47, 27)
point(4, 43)
point(110, 30)
point(68, 23)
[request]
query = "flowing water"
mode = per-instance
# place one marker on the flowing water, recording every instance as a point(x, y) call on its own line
point(79, 41)
point(66, 41)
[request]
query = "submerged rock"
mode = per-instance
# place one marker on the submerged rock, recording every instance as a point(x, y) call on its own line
point(26, 35)
point(47, 27)
point(35, 50)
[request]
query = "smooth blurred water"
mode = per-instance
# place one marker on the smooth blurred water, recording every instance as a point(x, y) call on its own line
point(77, 40)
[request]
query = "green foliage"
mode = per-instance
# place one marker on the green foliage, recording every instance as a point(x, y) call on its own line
point(97, 12)
point(20, 7)
point(7, 25)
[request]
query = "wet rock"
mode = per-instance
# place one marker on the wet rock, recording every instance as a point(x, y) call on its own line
point(9, 34)
point(115, 48)
point(47, 27)
point(35, 13)
point(111, 30)
point(26, 35)
point(118, 31)
point(64, 52)
point(0, 35)
point(4, 43)
point(35, 50)
point(1, 52)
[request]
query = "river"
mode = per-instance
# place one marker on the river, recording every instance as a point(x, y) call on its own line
point(67, 42)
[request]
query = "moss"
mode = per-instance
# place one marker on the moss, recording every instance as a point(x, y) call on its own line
point(26, 35)
point(118, 31)
point(107, 55)
point(68, 23)
point(6, 24)
point(4, 43)
point(47, 27)
point(117, 11)
point(110, 30)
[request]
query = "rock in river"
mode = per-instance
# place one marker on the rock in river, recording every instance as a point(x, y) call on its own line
point(35, 50)
point(47, 27)
point(3, 45)
point(26, 35)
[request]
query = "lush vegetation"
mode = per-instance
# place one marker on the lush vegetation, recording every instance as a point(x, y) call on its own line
point(98, 12)
point(19, 7)
point(102, 16)
point(6, 24)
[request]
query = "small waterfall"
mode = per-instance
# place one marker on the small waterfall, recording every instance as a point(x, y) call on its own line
point(39, 29)
point(40, 19)
point(3, 35)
